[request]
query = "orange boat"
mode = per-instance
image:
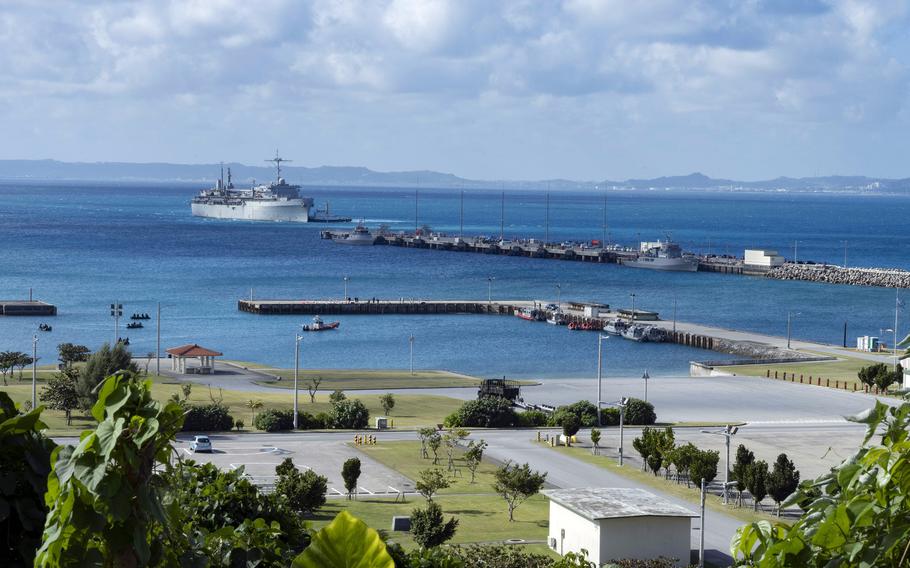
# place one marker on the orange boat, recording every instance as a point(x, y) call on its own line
point(319, 325)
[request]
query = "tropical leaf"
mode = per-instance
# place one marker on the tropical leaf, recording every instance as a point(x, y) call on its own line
point(346, 542)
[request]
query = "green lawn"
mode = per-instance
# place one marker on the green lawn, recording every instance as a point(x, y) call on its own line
point(410, 410)
point(670, 487)
point(842, 370)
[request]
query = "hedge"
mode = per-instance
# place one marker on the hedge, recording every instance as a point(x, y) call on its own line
point(207, 418)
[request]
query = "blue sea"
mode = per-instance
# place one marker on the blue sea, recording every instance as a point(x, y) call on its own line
point(82, 246)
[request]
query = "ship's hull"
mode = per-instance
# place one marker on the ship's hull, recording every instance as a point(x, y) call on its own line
point(357, 241)
point(292, 210)
point(659, 263)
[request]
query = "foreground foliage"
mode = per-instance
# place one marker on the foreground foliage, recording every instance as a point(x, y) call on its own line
point(856, 515)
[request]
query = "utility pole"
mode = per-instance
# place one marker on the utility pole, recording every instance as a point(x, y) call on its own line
point(646, 376)
point(546, 238)
point(600, 340)
point(633, 306)
point(461, 230)
point(502, 216)
point(845, 254)
point(559, 298)
point(623, 402)
point(795, 249)
point(345, 288)
point(490, 280)
point(701, 535)
point(158, 339)
point(603, 242)
point(897, 306)
point(728, 432)
point(416, 199)
point(116, 312)
point(411, 349)
point(34, 372)
point(789, 326)
point(297, 339)
point(674, 313)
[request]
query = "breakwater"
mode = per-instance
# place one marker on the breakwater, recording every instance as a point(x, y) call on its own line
point(828, 274)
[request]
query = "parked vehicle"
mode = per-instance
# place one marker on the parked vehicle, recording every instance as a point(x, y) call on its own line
point(201, 444)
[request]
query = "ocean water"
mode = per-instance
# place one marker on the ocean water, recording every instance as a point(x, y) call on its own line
point(81, 246)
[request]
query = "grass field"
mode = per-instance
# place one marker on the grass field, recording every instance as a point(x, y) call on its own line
point(410, 410)
point(670, 487)
point(483, 515)
point(842, 370)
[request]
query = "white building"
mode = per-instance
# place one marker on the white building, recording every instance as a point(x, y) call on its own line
point(614, 523)
point(764, 258)
point(905, 363)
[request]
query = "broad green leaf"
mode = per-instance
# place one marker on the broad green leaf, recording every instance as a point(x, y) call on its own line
point(108, 432)
point(346, 542)
point(871, 417)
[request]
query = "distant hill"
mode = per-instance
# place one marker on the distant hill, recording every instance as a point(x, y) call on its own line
point(360, 176)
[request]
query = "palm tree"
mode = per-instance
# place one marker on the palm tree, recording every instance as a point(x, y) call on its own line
point(253, 405)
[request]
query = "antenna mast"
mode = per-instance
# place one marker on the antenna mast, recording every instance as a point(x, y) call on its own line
point(277, 161)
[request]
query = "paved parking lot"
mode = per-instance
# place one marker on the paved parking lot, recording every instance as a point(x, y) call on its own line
point(259, 458)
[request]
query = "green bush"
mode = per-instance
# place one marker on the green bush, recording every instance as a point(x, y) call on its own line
point(207, 418)
point(306, 421)
point(609, 416)
point(487, 412)
point(584, 410)
point(531, 418)
point(272, 420)
point(349, 414)
point(640, 413)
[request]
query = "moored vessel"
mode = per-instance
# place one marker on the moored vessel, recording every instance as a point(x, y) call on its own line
point(359, 236)
point(319, 325)
point(663, 255)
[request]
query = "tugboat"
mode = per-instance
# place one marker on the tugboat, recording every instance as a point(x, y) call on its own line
point(319, 325)
point(360, 236)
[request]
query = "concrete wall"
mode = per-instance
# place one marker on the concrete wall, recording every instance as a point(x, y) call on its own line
point(613, 539)
point(646, 537)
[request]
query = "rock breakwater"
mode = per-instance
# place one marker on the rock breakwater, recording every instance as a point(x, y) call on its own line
point(881, 277)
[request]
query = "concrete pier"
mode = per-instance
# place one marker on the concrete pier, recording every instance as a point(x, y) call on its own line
point(26, 308)
point(380, 307)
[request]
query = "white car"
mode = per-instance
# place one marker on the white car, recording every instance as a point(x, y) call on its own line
point(201, 444)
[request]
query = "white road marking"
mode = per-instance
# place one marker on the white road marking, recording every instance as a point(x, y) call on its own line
point(338, 492)
point(367, 490)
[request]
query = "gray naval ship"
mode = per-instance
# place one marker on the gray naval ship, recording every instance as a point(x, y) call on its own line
point(663, 255)
point(274, 201)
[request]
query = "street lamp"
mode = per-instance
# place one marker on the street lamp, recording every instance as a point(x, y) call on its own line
point(34, 372)
point(346, 288)
point(633, 306)
point(622, 403)
point(411, 348)
point(297, 339)
point(728, 432)
point(559, 298)
point(490, 280)
point(116, 312)
point(789, 325)
point(646, 376)
point(600, 340)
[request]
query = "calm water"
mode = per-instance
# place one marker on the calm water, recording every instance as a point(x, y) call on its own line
point(82, 246)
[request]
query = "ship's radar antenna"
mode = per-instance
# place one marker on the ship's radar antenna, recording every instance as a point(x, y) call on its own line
point(277, 161)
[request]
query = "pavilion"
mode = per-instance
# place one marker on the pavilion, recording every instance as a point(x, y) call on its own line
point(206, 358)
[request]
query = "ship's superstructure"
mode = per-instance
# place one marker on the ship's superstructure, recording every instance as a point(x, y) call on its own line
point(274, 201)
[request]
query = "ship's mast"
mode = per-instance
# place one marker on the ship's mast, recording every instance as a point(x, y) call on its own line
point(277, 161)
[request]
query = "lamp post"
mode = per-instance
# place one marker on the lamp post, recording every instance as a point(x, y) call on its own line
point(728, 432)
point(674, 313)
point(633, 306)
point(158, 339)
point(490, 280)
point(600, 340)
point(346, 288)
point(34, 372)
point(789, 325)
point(845, 254)
point(297, 339)
point(411, 349)
point(646, 376)
point(116, 312)
point(559, 298)
point(622, 403)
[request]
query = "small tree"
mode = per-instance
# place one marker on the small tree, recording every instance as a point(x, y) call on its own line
point(744, 458)
point(312, 387)
point(883, 380)
point(451, 441)
point(595, 440)
point(682, 457)
point(350, 473)
point(515, 483)
point(704, 466)
point(20, 361)
point(103, 363)
point(425, 434)
point(430, 482)
point(429, 527)
point(644, 445)
point(7, 361)
point(337, 396)
point(304, 492)
point(254, 405)
point(387, 401)
point(433, 443)
point(570, 426)
point(783, 481)
point(349, 414)
point(868, 374)
point(757, 482)
point(60, 392)
point(148, 360)
point(474, 456)
point(69, 353)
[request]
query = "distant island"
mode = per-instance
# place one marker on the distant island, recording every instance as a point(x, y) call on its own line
point(51, 170)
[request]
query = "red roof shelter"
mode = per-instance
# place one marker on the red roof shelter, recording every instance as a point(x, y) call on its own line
point(206, 357)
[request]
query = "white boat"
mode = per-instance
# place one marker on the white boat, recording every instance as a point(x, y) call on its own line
point(557, 318)
point(319, 325)
point(615, 327)
point(359, 236)
point(635, 333)
point(274, 201)
point(663, 255)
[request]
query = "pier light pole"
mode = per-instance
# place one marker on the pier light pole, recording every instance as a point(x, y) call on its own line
point(490, 280)
point(116, 312)
point(411, 350)
point(623, 403)
point(845, 254)
point(158, 339)
point(297, 339)
point(633, 306)
point(502, 216)
point(34, 372)
point(728, 432)
point(546, 238)
point(346, 288)
point(674, 313)
point(559, 298)
point(600, 340)
point(789, 325)
point(646, 376)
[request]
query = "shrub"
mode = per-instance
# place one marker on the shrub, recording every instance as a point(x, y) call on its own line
point(239, 424)
point(609, 416)
point(430, 528)
point(488, 412)
point(640, 413)
point(272, 420)
point(207, 418)
point(585, 410)
point(349, 414)
point(307, 421)
point(322, 420)
point(531, 418)
point(303, 492)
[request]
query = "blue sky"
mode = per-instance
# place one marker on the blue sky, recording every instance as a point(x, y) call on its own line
point(581, 89)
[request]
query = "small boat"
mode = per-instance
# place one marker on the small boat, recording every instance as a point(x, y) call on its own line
point(135, 325)
point(360, 236)
point(323, 216)
point(529, 314)
point(45, 327)
point(615, 327)
point(319, 325)
point(556, 318)
point(636, 333)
